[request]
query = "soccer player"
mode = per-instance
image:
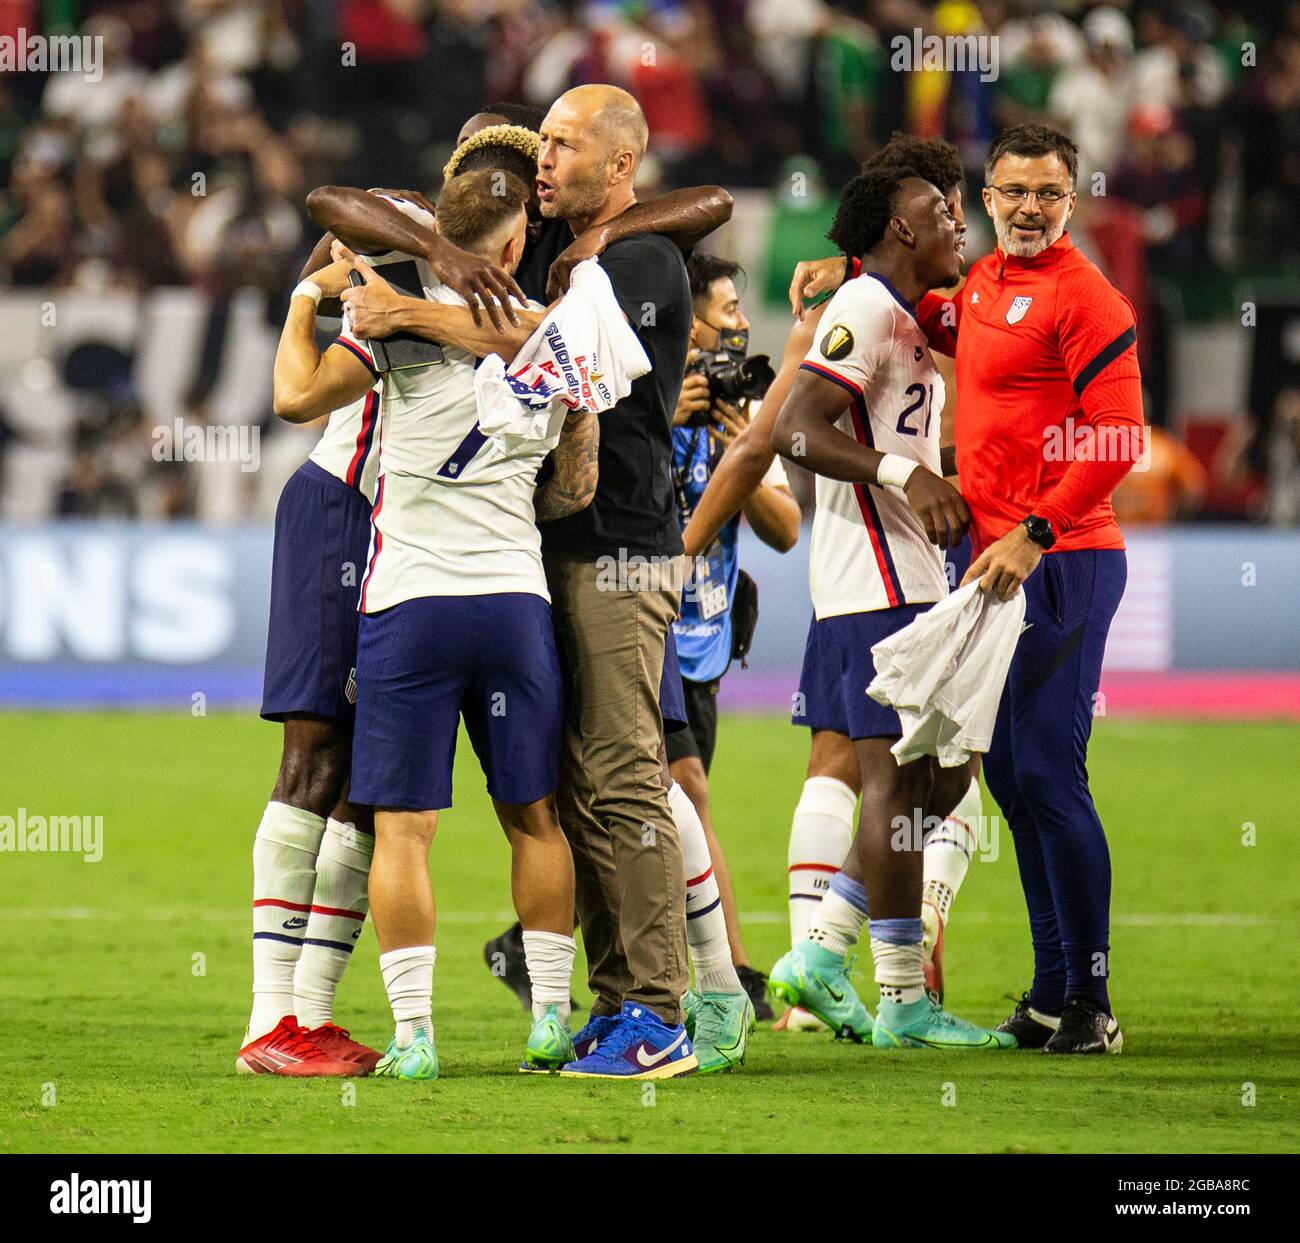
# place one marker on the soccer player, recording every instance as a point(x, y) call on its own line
point(1046, 349)
point(456, 622)
point(862, 415)
point(311, 856)
point(822, 828)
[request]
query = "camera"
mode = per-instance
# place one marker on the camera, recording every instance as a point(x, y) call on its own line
point(732, 375)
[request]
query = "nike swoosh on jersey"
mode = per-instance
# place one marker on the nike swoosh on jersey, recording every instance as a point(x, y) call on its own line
point(658, 1057)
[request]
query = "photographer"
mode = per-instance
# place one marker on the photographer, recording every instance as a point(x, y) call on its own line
point(719, 396)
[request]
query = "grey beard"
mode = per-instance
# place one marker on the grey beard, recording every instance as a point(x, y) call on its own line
point(1020, 249)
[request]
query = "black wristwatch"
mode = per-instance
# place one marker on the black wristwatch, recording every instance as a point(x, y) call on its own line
point(1040, 531)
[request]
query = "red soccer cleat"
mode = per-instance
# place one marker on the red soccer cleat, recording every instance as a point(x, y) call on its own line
point(336, 1042)
point(288, 1050)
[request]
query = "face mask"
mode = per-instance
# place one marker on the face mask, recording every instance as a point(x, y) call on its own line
point(731, 341)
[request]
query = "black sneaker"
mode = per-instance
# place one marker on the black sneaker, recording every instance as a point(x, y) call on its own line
point(505, 959)
point(755, 984)
point(1085, 1028)
point(1031, 1029)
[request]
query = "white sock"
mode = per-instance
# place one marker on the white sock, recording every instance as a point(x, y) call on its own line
point(948, 851)
point(284, 875)
point(838, 920)
point(549, 956)
point(899, 971)
point(338, 909)
point(408, 980)
point(820, 836)
point(706, 926)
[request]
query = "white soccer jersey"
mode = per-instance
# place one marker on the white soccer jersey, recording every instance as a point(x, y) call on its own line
point(349, 446)
point(453, 512)
point(869, 549)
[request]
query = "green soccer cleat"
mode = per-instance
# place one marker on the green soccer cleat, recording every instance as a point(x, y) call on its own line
point(925, 1024)
point(550, 1045)
point(690, 1008)
point(417, 1060)
point(722, 1024)
point(817, 979)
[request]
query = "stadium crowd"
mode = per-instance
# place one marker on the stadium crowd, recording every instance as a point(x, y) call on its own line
point(188, 161)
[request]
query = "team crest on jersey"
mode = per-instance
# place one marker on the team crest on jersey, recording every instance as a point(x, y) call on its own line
point(1016, 311)
point(837, 343)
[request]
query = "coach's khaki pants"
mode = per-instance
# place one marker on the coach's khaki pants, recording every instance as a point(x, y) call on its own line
point(611, 801)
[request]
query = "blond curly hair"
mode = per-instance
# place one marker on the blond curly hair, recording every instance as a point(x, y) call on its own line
point(525, 141)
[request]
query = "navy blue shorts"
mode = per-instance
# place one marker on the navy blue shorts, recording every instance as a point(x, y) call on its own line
point(425, 663)
point(322, 535)
point(837, 669)
point(956, 561)
point(672, 697)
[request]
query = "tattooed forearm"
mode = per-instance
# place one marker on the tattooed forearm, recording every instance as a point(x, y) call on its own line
point(573, 484)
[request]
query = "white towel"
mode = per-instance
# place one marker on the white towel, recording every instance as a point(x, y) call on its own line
point(944, 674)
point(583, 354)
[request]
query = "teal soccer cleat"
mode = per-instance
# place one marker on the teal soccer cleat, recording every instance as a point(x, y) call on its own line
point(550, 1045)
point(817, 979)
point(722, 1025)
point(417, 1060)
point(925, 1024)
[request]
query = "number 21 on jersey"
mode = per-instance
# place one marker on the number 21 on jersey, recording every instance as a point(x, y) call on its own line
point(922, 395)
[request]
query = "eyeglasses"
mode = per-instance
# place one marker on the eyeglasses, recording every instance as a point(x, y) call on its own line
point(1049, 197)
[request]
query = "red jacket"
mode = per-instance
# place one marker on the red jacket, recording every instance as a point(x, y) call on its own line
point(1049, 397)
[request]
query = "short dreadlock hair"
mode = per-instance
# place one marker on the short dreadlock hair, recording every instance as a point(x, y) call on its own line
point(935, 159)
point(523, 115)
point(865, 208)
point(510, 148)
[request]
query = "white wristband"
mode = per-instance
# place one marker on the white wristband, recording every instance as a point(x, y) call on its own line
point(895, 470)
point(308, 289)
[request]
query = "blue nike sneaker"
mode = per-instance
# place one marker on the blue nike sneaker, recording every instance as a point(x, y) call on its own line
point(597, 1028)
point(641, 1046)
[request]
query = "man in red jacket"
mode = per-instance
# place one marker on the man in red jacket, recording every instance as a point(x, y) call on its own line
point(1048, 421)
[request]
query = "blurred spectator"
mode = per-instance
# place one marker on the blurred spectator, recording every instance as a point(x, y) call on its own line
point(37, 232)
point(1026, 81)
point(1180, 68)
point(1283, 503)
point(1157, 176)
point(1270, 154)
point(1090, 99)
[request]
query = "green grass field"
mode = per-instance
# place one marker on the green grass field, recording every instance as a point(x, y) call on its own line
point(103, 1000)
